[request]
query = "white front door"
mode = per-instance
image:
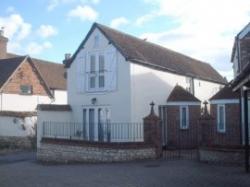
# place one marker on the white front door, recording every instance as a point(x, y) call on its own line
point(96, 122)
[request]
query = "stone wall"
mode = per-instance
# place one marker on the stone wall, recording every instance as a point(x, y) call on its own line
point(14, 142)
point(222, 155)
point(65, 151)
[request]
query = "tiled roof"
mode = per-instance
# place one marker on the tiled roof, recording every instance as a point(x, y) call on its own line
point(143, 52)
point(52, 73)
point(17, 114)
point(179, 94)
point(50, 107)
point(8, 66)
point(226, 93)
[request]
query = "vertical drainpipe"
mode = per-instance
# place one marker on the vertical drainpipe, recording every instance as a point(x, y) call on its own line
point(1, 100)
point(246, 130)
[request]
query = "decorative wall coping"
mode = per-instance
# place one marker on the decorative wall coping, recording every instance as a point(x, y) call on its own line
point(224, 148)
point(112, 145)
point(17, 114)
point(50, 107)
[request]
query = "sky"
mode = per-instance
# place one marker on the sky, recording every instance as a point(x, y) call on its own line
point(202, 29)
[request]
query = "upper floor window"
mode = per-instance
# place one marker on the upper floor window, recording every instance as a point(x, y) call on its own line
point(97, 73)
point(96, 41)
point(190, 84)
point(184, 117)
point(26, 89)
point(221, 118)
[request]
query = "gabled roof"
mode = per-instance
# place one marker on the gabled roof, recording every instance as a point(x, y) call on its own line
point(225, 93)
point(51, 72)
point(155, 56)
point(179, 94)
point(8, 66)
point(237, 38)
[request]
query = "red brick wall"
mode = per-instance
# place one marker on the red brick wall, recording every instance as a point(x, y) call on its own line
point(25, 75)
point(182, 138)
point(232, 136)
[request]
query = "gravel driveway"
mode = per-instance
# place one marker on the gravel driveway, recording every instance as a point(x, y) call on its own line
point(22, 170)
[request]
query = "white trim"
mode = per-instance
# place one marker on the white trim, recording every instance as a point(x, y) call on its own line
point(225, 101)
point(176, 103)
point(187, 117)
point(218, 118)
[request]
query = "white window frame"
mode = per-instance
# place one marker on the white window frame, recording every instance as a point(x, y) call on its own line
point(107, 109)
point(97, 72)
point(187, 117)
point(219, 120)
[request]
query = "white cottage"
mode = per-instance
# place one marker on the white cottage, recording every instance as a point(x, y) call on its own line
point(114, 76)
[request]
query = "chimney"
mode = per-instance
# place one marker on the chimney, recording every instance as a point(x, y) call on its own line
point(3, 44)
point(67, 56)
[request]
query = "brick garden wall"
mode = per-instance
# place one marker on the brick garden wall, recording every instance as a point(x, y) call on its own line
point(182, 138)
point(232, 136)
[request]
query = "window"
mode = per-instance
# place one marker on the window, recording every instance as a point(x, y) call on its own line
point(26, 89)
point(96, 41)
point(190, 84)
point(184, 117)
point(221, 118)
point(97, 72)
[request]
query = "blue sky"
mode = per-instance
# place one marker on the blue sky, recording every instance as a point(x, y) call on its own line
point(203, 29)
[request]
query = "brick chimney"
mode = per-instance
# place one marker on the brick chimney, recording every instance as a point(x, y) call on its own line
point(3, 44)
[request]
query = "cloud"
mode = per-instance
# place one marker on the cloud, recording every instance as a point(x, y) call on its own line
point(145, 18)
point(203, 29)
point(55, 3)
point(35, 48)
point(117, 22)
point(85, 13)
point(46, 31)
point(15, 26)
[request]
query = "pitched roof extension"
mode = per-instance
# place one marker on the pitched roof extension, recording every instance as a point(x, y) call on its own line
point(226, 93)
point(179, 94)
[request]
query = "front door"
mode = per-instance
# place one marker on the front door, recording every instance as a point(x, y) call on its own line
point(91, 124)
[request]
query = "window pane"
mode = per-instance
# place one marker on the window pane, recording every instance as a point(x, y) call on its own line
point(26, 89)
point(221, 118)
point(184, 118)
point(92, 63)
point(92, 82)
point(101, 63)
point(101, 81)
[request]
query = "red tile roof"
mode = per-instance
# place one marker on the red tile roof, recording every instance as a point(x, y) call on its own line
point(226, 93)
point(179, 94)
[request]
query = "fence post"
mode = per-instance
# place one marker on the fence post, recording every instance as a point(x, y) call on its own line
point(152, 131)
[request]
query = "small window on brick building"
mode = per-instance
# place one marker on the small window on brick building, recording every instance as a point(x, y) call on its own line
point(26, 89)
point(221, 118)
point(184, 117)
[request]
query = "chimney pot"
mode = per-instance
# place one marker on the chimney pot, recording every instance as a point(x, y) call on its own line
point(67, 56)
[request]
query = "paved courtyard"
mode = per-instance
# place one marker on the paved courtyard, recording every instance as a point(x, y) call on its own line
point(21, 169)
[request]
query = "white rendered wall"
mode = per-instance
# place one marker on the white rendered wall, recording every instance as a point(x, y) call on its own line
point(60, 97)
point(19, 127)
point(16, 102)
point(149, 85)
point(118, 101)
point(52, 116)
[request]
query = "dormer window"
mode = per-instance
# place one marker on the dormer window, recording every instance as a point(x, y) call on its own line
point(96, 41)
